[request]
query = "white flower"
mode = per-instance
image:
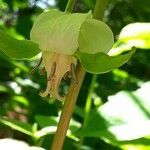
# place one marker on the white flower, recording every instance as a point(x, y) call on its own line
point(59, 35)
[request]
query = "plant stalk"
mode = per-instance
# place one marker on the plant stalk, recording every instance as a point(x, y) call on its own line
point(68, 110)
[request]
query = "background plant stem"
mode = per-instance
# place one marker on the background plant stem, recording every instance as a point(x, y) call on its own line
point(87, 108)
point(99, 9)
point(70, 5)
point(98, 14)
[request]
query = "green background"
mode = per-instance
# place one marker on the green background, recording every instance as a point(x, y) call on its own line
point(118, 118)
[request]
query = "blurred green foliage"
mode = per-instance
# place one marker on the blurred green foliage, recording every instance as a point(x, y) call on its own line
point(119, 116)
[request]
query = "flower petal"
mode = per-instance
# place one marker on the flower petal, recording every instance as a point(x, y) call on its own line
point(56, 65)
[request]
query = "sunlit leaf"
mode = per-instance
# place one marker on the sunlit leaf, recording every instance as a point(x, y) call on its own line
point(135, 147)
point(95, 36)
point(101, 62)
point(45, 131)
point(124, 117)
point(130, 131)
point(136, 34)
point(17, 144)
point(18, 49)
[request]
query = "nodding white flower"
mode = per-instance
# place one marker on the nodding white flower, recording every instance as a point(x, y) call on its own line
point(59, 35)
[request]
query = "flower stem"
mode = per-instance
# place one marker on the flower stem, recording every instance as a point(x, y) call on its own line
point(68, 110)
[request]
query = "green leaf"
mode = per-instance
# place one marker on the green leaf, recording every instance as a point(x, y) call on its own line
point(95, 36)
point(57, 31)
point(100, 62)
point(18, 49)
point(131, 131)
point(124, 117)
point(45, 121)
point(136, 34)
point(17, 125)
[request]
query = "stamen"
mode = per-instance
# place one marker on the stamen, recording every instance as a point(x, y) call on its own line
point(73, 75)
point(37, 66)
point(53, 70)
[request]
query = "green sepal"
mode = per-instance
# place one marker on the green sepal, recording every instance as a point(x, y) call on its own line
point(100, 62)
point(95, 36)
point(57, 31)
point(17, 49)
